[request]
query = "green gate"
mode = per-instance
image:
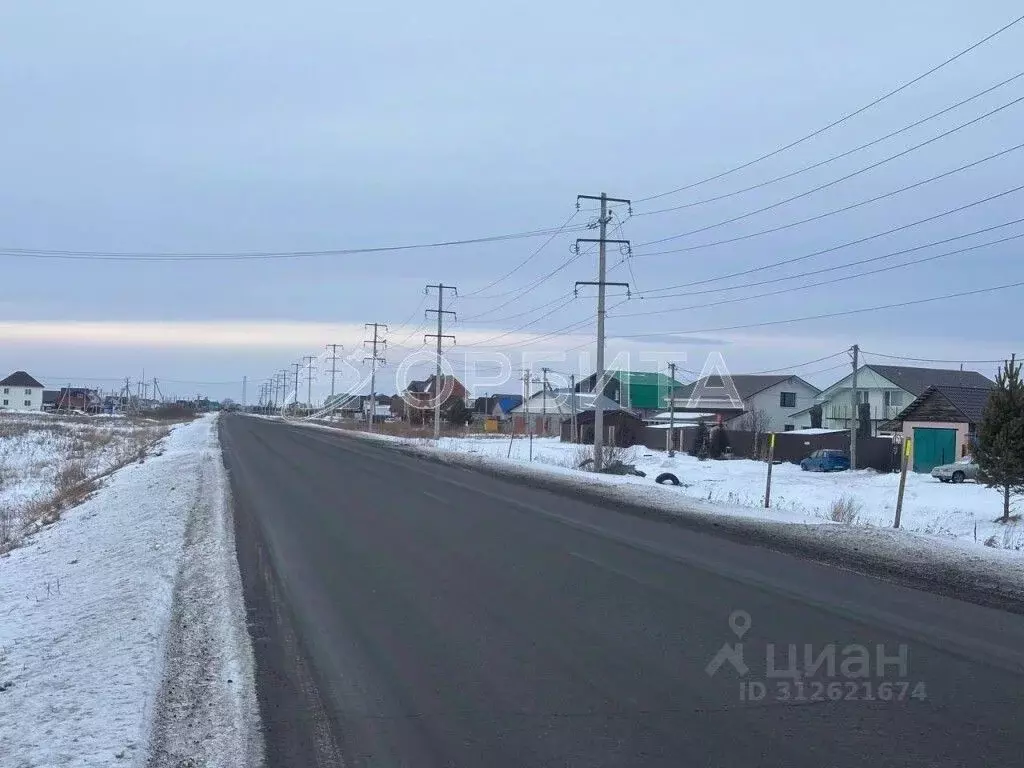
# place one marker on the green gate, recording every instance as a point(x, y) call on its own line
point(933, 447)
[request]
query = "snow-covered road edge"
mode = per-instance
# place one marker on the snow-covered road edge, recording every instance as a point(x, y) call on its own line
point(207, 712)
point(983, 575)
point(86, 607)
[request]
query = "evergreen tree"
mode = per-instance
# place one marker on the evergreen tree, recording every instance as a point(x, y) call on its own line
point(999, 451)
point(456, 412)
point(700, 440)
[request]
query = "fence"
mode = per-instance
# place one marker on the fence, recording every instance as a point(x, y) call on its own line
point(878, 453)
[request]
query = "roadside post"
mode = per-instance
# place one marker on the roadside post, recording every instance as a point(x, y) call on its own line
point(771, 461)
point(903, 480)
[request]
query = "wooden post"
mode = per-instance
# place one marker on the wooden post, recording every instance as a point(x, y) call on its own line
point(903, 480)
point(768, 483)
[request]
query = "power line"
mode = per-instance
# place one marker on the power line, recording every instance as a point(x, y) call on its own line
point(257, 255)
point(800, 365)
point(840, 120)
point(789, 289)
point(858, 241)
point(929, 359)
point(848, 176)
point(839, 156)
point(826, 315)
point(834, 211)
point(527, 260)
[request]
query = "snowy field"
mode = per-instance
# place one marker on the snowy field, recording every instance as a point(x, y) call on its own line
point(88, 634)
point(964, 512)
point(44, 456)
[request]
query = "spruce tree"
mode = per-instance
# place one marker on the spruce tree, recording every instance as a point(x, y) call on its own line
point(999, 451)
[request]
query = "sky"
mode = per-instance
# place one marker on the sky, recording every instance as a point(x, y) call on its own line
point(244, 128)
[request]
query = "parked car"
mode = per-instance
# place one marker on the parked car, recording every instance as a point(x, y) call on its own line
point(826, 460)
point(965, 469)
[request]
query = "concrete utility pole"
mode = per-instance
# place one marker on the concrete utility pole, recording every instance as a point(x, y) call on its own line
point(672, 411)
point(601, 283)
point(374, 358)
point(295, 400)
point(526, 407)
point(855, 396)
point(441, 312)
point(544, 402)
point(572, 406)
point(334, 365)
point(308, 359)
point(245, 381)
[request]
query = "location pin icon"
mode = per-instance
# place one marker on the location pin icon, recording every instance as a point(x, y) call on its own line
point(739, 623)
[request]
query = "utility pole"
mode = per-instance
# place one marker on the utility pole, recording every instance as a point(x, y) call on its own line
point(526, 406)
point(308, 359)
point(672, 411)
point(284, 389)
point(441, 312)
point(295, 400)
point(572, 405)
point(544, 402)
point(601, 283)
point(374, 359)
point(156, 390)
point(245, 381)
point(855, 396)
point(334, 365)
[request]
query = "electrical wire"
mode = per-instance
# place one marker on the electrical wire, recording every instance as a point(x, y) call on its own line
point(257, 255)
point(844, 118)
point(525, 261)
point(831, 249)
point(834, 211)
point(786, 368)
point(928, 359)
point(844, 313)
point(859, 262)
point(832, 183)
point(839, 156)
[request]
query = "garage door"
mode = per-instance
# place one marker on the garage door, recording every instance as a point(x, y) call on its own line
point(933, 447)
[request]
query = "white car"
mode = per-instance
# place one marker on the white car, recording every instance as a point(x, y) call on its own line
point(965, 469)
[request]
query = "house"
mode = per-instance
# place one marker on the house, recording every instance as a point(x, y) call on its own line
point(21, 392)
point(886, 390)
point(546, 410)
point(941, 423)
point(758, 402)
point(496, 406)
point(420, 396)
point(643, 392)
point(79, 399)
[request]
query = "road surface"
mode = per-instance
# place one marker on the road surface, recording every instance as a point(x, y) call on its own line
point(408, 613)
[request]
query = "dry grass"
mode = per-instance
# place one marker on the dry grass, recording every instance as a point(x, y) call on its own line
point(844, 509)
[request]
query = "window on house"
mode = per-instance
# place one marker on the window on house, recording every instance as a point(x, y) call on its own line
point(28, 391)
point(787, 399)
point(789, 427)
point(892, 398)
point(7, 390)
point(28, 403)
point(863, 396)
point(7, 402)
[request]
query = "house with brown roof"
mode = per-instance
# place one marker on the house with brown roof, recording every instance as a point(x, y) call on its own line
point(941, 423)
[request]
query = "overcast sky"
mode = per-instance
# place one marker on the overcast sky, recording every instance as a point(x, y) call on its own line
point(256, 126)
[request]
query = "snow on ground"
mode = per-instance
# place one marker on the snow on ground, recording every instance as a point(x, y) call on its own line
point(85, 615)
point(41, 452)
point(964, 512)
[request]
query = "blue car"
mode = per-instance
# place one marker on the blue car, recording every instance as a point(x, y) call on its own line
point(826, 460)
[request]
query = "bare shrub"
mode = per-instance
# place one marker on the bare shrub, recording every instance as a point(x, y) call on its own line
point(844, 509)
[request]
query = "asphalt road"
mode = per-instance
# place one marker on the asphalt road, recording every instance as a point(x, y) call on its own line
point(409, 613)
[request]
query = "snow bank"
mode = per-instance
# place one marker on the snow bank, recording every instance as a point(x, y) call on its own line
point(85, 608)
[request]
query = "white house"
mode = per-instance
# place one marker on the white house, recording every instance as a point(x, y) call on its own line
point(759, 402)
point(21, 392)
point(887, 390)
point(546, 409)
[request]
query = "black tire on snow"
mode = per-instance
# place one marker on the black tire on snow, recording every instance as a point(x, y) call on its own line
point(666, 477)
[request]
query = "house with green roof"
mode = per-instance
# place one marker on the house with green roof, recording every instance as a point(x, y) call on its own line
point(644, 392)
